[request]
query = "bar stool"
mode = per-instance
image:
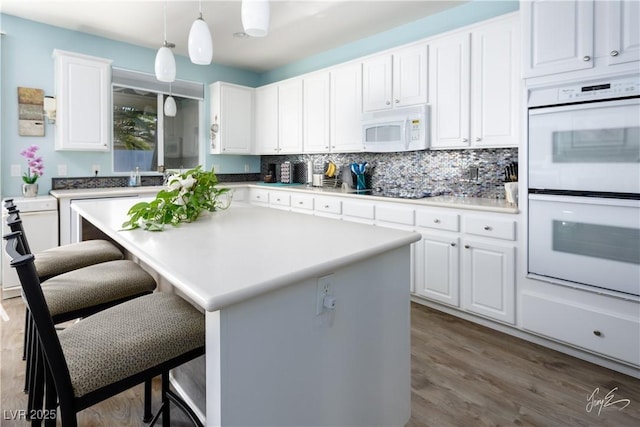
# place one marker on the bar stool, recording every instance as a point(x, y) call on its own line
point(81, 279)
point(113, 350)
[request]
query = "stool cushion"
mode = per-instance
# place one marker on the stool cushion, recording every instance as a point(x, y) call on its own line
point(129, 338)
point(94, 285)
point(61, 259)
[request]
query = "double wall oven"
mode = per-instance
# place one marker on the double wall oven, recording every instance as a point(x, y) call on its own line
point(584, 185)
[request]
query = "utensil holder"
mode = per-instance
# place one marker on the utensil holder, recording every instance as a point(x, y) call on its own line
point(361, 183)
point(511, 192)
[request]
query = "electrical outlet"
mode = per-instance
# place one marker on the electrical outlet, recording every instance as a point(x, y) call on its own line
point(216, 168)
point(325, 289)
point(16, 170)
point(62, 170)
point(247, 168)
point(95, 170)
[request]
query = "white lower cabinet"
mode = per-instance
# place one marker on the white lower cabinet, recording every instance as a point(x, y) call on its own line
point(488, 279)
point(302, 203)
point(606, 329)
point(280, 200)
point(437, 268)
point(259, 197)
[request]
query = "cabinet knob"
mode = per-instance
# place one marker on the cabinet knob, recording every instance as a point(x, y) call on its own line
point(465, 140)
point(300, 202)
point(388, 103)
point(586, 58)
point(614, 53)
point(397, 101)
point(326, 206)
point(597, 333)
point(487, 228)
point(436, 221)
point(277, 200)
point(467, 246)
point(453, 244)
point(478, 138)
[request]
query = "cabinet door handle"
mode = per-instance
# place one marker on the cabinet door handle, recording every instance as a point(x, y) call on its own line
point(453, 244)
point(467, 246)
point(614, 53)
point(478, 138)
point(487, 228)
point(465, 140)
point(586, 58)
point(397, 101)
point(300, 203)
point(597, 333)
point(436, 221)
point(388, 102)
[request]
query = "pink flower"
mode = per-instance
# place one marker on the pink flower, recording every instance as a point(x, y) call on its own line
point(35, 164)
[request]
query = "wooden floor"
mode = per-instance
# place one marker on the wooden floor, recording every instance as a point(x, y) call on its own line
point(462, 375)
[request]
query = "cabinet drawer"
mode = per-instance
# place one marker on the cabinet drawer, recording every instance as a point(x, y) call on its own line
point(259, 196)
point(439, 220)
point(279, 199)
point(394, 214)
point(357, 209)
point(490, 227)
point(328, 205)
point(584, 326)
point(300, 201)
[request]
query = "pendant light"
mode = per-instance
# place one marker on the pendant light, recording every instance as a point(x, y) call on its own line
point(255, 17)
point(170, 108)
point(200, 44)
point(165, 62)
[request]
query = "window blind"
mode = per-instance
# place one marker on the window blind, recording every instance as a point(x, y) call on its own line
point(144, 81)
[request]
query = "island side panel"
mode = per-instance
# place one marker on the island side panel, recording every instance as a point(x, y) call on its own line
point(281, 364)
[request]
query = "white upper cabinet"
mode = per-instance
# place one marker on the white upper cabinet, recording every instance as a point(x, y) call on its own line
point(346, 108)
point(83, 92)
point(395, 79)
point(267, 120)
point(231, 118)
point(316, 113)
point(623, 19)
point(558, 36)
point(449, 90)
point(290, 117)
point(574, 36)
point(474, 80)
point(495, 84)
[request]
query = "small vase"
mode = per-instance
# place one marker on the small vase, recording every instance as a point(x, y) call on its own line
point(30, 190)
point(361, 183)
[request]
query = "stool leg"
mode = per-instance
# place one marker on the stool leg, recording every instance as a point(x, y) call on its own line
point(147, 401)
point(51, 400)
point(26, 330)
point(166, 404)
point(29, 340)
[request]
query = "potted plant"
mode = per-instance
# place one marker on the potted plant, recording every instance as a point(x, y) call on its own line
point(35, 169)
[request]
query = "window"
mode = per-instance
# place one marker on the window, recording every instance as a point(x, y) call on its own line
point(143, 137)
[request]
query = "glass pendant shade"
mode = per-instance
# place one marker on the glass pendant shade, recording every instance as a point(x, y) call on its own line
point(255, 17)
point(165, 65)
point(200, 44)
point(170, 108)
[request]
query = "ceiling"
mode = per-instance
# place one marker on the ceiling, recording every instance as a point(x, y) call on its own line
point(298, 28)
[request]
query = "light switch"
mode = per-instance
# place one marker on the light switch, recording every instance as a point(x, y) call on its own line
point(16, 170)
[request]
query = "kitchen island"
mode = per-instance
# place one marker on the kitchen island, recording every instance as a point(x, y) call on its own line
point(277, 352)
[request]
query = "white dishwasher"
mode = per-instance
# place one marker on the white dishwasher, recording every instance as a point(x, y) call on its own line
point(40, 222)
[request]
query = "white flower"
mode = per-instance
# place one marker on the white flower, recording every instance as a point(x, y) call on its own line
point(188, 182)
point(174, 182)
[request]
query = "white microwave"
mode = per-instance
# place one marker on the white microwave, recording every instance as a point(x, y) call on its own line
point(400, 129)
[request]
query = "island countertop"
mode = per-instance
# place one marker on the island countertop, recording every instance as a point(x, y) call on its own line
point(232, 255)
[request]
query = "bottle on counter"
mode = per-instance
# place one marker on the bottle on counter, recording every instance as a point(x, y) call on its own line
point(134, 178)
point(138, 178)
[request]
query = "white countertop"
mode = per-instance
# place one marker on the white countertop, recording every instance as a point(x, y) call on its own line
point(229, 256)
point(473, 203)
point(87, 193)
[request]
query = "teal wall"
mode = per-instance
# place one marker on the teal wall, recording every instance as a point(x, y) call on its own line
point(25, 57)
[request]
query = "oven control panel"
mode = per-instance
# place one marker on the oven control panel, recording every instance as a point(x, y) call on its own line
point(611, 89)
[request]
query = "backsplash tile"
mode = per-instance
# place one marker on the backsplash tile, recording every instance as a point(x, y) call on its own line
point(439, 171)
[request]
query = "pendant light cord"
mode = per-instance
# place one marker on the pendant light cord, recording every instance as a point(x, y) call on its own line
point(165, 22)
